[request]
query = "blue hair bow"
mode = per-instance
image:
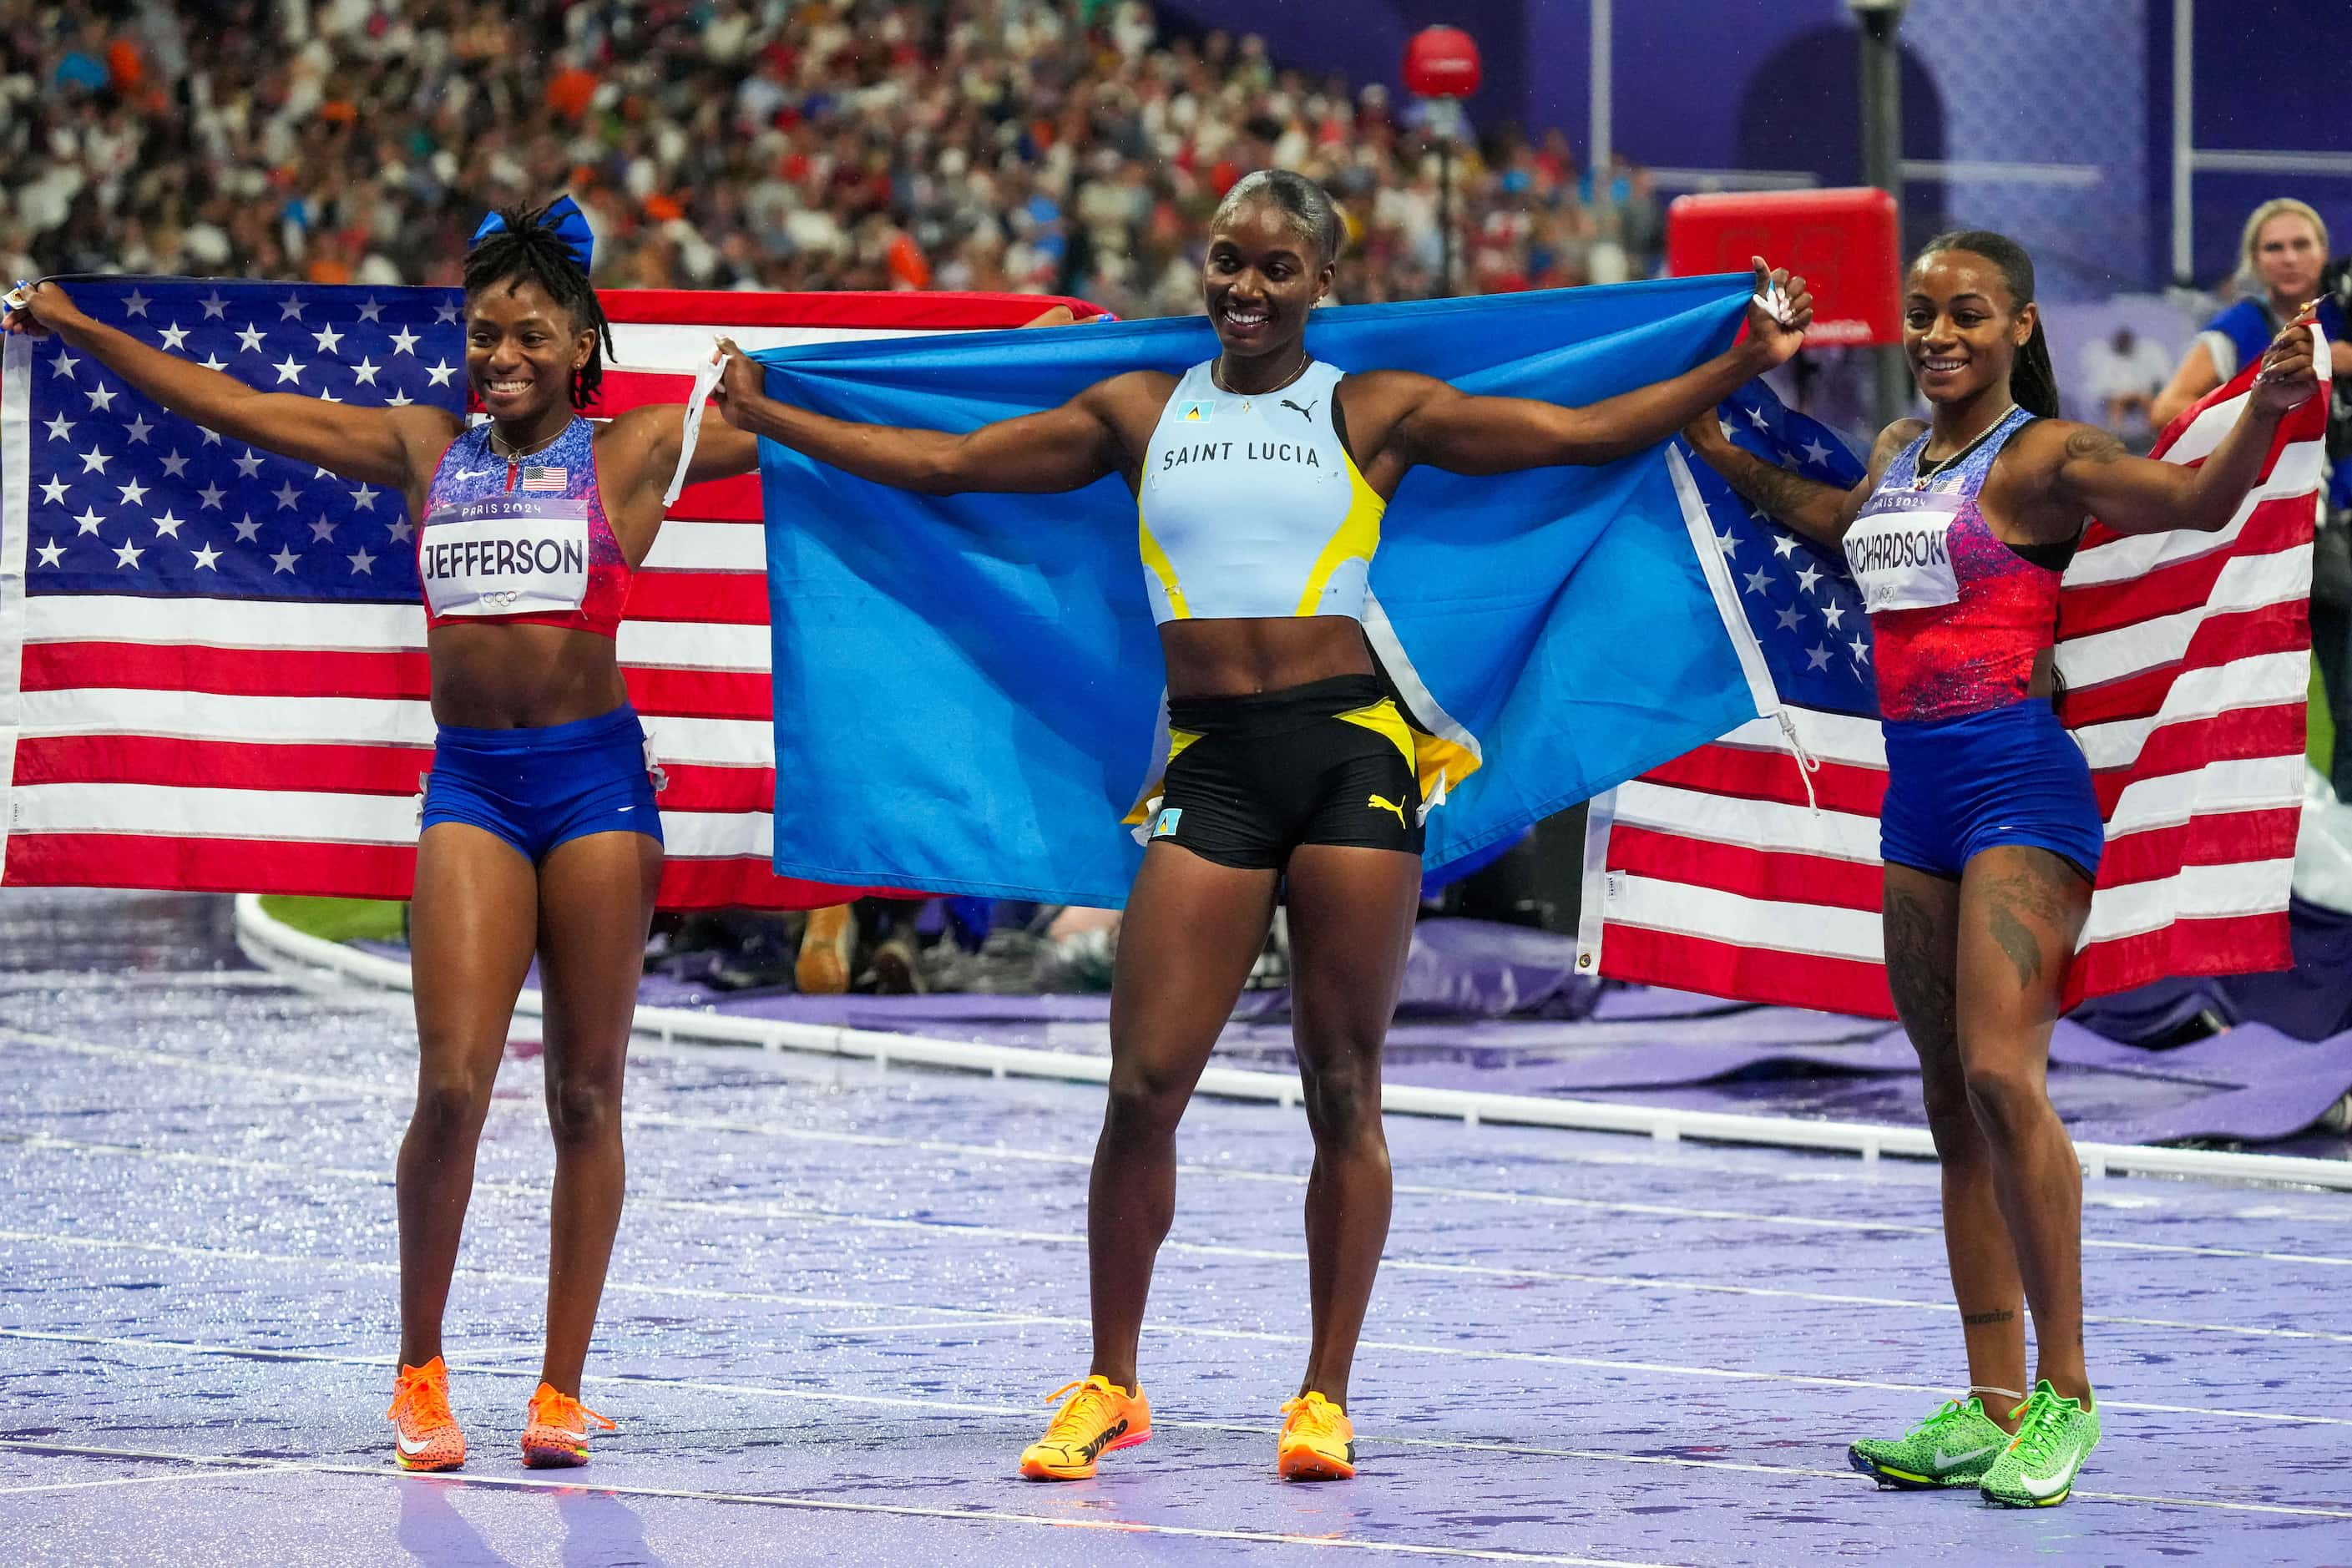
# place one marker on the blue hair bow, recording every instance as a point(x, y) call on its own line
point(564, 216)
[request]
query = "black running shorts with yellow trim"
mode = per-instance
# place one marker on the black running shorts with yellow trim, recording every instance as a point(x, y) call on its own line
point(1251, 778)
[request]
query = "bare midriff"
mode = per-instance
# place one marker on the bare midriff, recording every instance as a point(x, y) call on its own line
point(1242, 657)
point(521, 677)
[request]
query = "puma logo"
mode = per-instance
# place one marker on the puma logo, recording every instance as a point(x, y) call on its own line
point(1307, 413)
point(1382, 803)
point(1095, 1446)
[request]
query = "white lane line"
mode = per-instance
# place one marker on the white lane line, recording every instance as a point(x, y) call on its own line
point(788, 1500)
point(1164, 1328)
point(379, 1088)
point(1207, 1250)
point(1254, 1429)
point(958, 1325)
point(259, 1467)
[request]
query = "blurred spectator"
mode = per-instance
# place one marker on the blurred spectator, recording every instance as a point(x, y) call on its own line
point(2122, 376)
point(2281, 257)
point(1014, 144)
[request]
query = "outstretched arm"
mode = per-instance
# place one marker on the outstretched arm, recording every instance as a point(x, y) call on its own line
point(1821, 512)
point(376, 445)
point(720, 451)
point(2136, 495)
point(1449, 429)
point(1063, 448)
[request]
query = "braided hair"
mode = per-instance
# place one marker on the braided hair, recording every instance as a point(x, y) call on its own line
point(2033, 380)
point(527, 250)
point(1304, 205)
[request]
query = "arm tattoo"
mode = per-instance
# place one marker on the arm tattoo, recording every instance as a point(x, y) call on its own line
point(2002, 1316)
point(1777, 490)
point(2089, 446)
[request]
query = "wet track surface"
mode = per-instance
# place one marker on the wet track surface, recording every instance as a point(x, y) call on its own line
point(841, 1294)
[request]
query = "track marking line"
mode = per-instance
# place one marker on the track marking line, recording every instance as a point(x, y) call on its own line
point(181, 1479)
point(1178, 1330)
point(1022, 1411)
point(833, 1505)
point(1205, 1249)
point(1202, 1249)
point(1660, 1211)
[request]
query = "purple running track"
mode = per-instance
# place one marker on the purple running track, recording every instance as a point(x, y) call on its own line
point(841, 1295)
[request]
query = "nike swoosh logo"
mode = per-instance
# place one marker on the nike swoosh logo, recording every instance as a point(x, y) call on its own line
point(2057, 1481)
point(579, 1436)
point(1948, 1461)
point(413, 1448)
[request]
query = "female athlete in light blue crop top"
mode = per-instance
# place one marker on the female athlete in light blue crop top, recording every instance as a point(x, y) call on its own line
point(1260, 479)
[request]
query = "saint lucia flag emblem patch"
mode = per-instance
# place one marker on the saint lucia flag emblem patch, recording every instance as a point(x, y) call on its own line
point(1165, 828)
point(1196, 413)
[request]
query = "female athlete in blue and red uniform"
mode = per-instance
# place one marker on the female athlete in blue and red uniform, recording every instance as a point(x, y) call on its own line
point(539, 831)
point(1990, 831)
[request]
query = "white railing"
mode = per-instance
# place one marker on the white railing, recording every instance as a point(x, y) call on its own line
point(279, 947)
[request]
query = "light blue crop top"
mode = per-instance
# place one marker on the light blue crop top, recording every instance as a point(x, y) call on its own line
point(1251, 506)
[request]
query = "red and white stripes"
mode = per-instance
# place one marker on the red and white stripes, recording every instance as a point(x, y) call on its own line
point(2187, 661)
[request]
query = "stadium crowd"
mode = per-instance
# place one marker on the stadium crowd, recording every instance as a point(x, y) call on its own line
point(1020, 144)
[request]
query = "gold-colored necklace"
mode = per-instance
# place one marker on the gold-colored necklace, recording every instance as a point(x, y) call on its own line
point(501, 448)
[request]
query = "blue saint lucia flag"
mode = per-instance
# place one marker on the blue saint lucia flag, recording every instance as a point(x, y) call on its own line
point(968, 688)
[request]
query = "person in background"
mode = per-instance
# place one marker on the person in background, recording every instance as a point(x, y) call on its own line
point(2281, 258)
point(2125, 374)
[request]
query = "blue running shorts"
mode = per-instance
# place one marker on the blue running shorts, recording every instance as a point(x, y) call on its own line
point(2008, 775)
point(540, 788)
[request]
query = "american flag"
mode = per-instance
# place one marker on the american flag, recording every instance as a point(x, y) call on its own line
point(2187, 660)
point(212, 660)
point(537, 477)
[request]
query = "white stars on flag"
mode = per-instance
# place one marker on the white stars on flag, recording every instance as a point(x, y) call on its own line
point(110, 476)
